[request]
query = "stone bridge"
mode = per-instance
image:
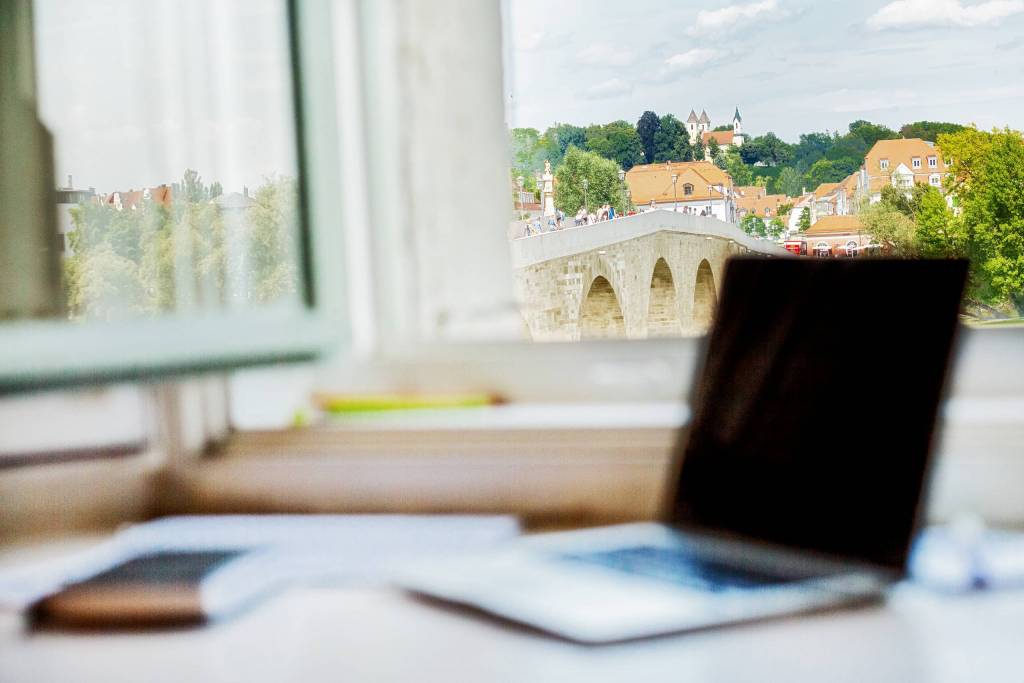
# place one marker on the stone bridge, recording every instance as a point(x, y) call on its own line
point(656, 274)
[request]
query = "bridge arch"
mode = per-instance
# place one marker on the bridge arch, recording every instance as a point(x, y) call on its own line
point(663, 310)
point(705, 296)
point(600, 313)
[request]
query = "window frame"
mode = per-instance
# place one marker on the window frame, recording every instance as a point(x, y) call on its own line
point(36, 356)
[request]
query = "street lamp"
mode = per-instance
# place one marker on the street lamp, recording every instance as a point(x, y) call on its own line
point(675, 199)
point(622, 186)
point(586, 184)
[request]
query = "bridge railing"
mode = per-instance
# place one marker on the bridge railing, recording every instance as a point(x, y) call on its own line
point(571, 240)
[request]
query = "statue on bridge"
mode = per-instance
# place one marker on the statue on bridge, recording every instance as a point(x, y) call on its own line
point(547, 198)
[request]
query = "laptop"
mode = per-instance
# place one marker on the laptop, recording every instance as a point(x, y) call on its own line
point(802, 474)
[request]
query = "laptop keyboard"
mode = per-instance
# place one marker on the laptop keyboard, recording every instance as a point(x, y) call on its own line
point(680, 566)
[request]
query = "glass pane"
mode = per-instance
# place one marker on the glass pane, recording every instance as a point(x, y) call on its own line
point(174, 142)
point(649, 143)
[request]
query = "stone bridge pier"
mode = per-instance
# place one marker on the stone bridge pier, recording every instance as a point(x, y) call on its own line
point(653, 275)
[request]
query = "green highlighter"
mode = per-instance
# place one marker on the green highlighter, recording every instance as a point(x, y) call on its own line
point(367, 403)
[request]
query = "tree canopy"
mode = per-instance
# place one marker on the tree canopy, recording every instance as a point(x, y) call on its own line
point(987, 177)
point(617, 141)
point(156, 258)
point(603, 185)
point(929, 130)
point(647, 128)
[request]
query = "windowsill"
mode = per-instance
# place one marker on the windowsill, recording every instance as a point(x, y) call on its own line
point(576, 463)
point(521, 416)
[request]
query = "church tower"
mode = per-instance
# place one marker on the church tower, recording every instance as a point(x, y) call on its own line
point(737, 128)
point(691, 125)
point(705, 122)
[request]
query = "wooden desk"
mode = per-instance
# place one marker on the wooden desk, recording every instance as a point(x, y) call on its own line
point(382, 635)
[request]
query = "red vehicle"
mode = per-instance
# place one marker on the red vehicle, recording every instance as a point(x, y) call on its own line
point(798, 247)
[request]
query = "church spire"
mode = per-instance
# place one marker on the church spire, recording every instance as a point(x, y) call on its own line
point(736, 116)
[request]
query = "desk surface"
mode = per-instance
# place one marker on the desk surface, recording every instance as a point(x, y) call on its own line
point(382, 635)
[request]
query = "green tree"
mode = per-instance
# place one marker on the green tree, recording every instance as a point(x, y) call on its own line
point(790, 182)
point(939, 233)
point(714, 151)
point(617, 141)
point(810, 148)
point(767, 149)
point(929, 130)
point(666, 139)
point(558, 139)
point(156, 258)
point(698, 151)
point(601, 174)
point(272, 229)
point(805, 220)
point(897, 200)
point(892, 229)
point(988, 179)
point(734, 166)
point(647, 128)
point(724, 128)
point(529, 150)
point(776, 228)
point(828, 171)
point(683, 151)
point(753, 225)
point(870, 133)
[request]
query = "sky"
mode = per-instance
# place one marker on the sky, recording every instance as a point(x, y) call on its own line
point(791, 66)
point(137, 91)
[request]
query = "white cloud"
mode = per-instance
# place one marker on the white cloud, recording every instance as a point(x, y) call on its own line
point(852, 101)
point(615, 87)
point(603, 54)
point(731, 17)
point(691, 59)
point(942, 13)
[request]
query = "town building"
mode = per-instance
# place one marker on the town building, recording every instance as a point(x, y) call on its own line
point(696, 126)
point(700, 128)
point(726, 139)
point(804, 201)
point(756, 200)
point(833, 236)
point(693, 187)
point(901, 164)
point(133, 199)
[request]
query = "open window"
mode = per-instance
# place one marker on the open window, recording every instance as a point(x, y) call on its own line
point(163, 219)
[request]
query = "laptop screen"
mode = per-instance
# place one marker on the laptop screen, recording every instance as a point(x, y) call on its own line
point(814, 414)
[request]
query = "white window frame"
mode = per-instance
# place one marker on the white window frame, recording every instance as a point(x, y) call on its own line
point(35, 351)
point(933, 162)
point(915, 162)
point(884, 164)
